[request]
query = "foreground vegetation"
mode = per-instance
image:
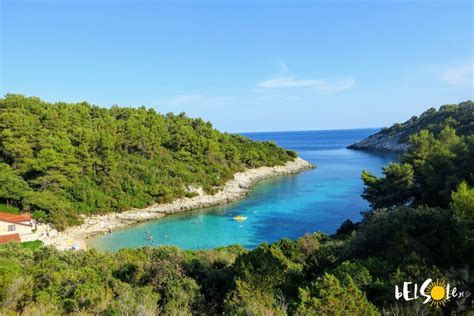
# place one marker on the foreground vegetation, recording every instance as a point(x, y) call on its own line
point(353, 272)
point(62, 160)
point(422, 226)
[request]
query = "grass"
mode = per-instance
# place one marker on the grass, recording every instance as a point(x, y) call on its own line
point(32, 245)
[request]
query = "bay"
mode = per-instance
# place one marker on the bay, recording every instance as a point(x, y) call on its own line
point(287, 206)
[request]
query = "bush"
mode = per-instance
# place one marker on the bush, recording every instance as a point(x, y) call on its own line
point(463, 202)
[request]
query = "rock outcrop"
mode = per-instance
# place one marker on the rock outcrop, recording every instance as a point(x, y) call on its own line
point(381, 142)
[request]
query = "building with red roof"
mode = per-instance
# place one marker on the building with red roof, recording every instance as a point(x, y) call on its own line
point(5, 239)
point(13, 226)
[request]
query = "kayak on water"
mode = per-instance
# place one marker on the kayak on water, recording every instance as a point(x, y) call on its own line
point(240, 218)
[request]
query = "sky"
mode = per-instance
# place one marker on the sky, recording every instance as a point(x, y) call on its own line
point(244, 65)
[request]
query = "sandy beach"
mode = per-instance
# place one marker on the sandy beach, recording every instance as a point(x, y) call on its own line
point(233, 190)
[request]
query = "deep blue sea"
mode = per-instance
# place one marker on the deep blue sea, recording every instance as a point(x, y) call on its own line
point(286, 206)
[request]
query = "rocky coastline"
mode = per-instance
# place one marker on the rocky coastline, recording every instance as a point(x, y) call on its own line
point(231, 191)
point(381, 142)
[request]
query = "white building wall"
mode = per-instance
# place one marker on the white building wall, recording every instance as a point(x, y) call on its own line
point(20, 229)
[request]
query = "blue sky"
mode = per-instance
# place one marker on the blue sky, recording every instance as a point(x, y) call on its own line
point(244, 65)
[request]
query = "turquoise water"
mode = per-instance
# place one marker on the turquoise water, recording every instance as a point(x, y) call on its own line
point(286, 206)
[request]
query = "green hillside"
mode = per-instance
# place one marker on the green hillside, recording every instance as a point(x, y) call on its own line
point(458, 116)
point(59, 160)
point(395, 138)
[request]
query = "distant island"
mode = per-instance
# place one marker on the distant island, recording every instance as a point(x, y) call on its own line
point(396, 138)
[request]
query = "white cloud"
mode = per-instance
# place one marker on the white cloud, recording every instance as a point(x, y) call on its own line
point(458, 75)
point(195, 99)
point(327, 85)
point(183, 99)
point(284, 80)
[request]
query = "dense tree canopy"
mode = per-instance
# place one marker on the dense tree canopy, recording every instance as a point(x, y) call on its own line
point(458, 116)
point(66, 159)
point(428, 173)
point(394, 188)
point(437, 171)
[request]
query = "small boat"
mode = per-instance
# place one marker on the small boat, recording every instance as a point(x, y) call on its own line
point(240, 218)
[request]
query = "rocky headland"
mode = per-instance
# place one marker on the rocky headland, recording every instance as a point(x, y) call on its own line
point(396, 137)
point(381, 142)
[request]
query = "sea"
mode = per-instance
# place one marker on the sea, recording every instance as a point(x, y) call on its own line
point(318, 200)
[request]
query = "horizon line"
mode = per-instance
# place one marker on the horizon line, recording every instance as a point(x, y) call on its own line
point(308, 130)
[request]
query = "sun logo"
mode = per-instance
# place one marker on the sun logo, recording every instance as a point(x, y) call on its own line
point(437, 292)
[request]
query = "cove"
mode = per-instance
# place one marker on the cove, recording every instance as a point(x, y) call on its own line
point(286, 206)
